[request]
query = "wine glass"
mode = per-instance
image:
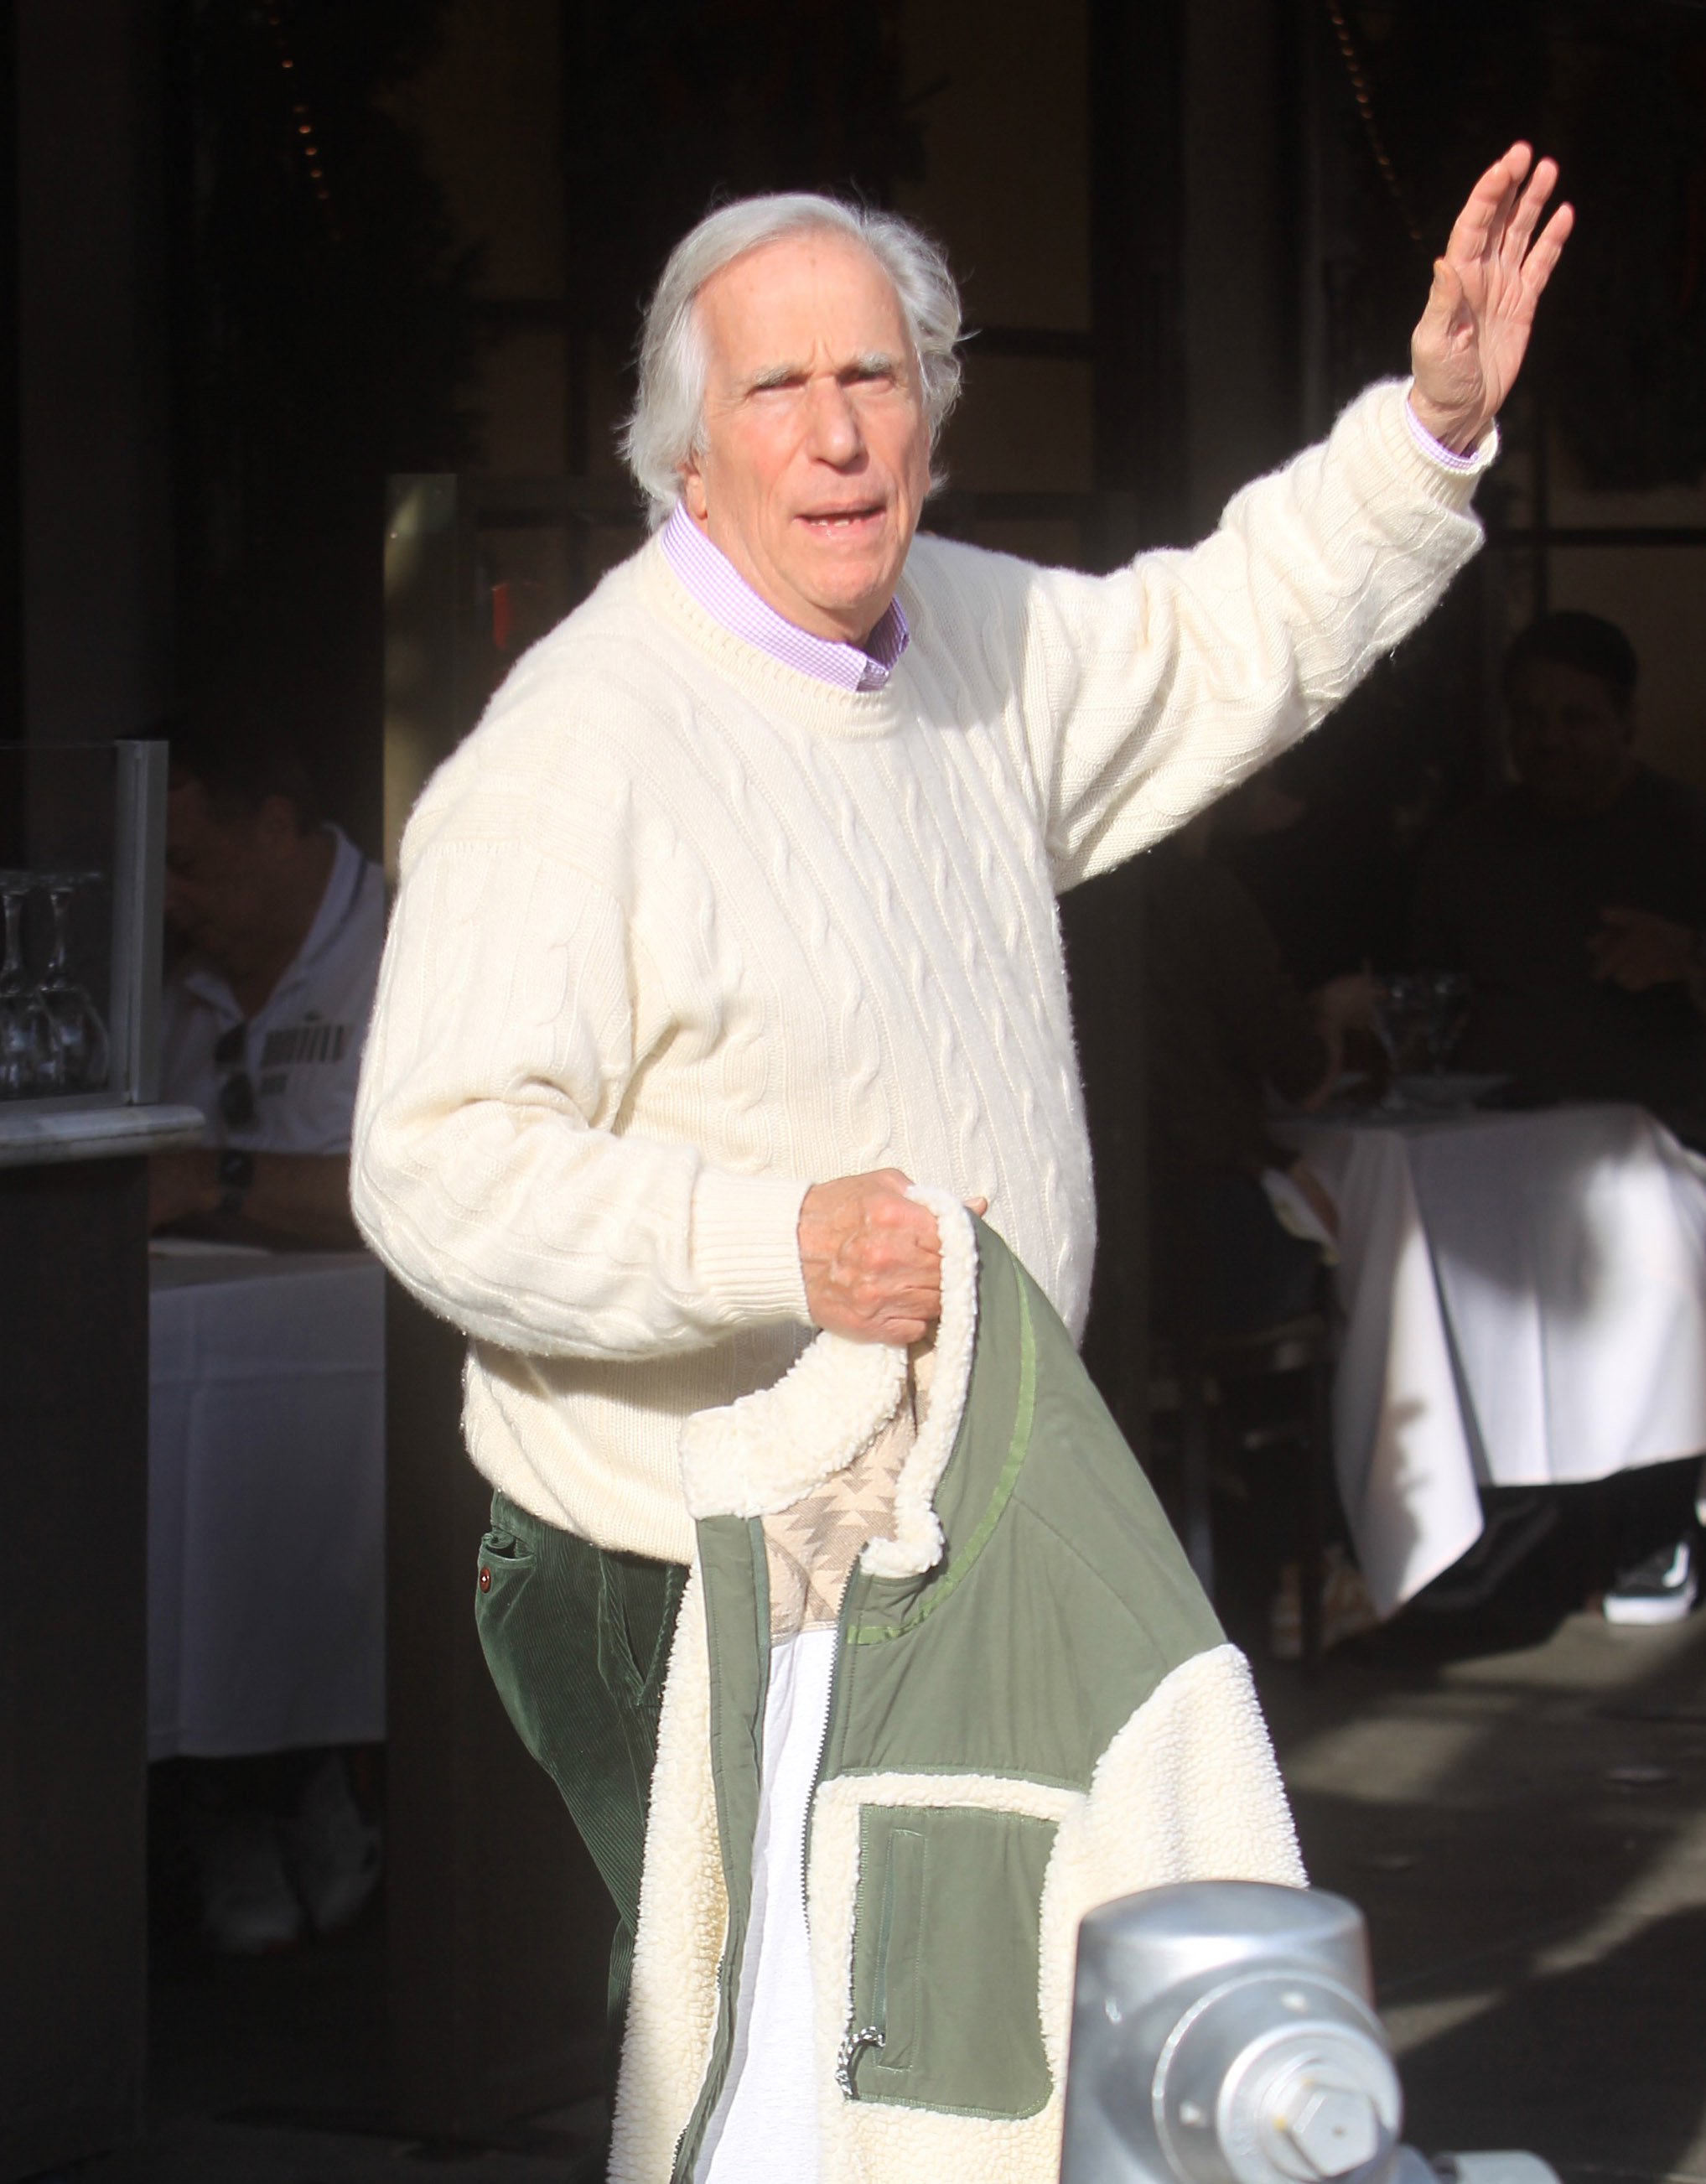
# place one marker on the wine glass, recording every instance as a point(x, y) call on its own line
point(1448, 1008)
point(1400, 1012)
point(25, 1036)
point(78, 1037)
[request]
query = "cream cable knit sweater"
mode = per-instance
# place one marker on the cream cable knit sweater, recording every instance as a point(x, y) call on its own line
point(681, 931)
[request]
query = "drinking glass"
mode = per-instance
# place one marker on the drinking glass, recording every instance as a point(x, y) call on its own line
point(1400, 1012)
point(78, 1036)
point(1448, 1010)
point(26, 1035)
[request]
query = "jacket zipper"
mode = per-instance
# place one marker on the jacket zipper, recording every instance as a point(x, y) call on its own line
point(842, 1616)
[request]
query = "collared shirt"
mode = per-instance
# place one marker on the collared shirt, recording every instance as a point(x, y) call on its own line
point(712, 579)
point(1437, 448)
point(301, 1050)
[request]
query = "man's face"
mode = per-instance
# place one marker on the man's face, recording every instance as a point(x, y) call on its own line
point(222, 872)
point(1569, 742)
point(816, 457)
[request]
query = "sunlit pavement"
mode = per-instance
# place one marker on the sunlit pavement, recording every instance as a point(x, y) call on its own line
point(1526, 1834)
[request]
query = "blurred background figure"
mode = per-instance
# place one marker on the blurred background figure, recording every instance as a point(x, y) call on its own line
point(279, 920)
point(1238, 1221)
point(1241, 1227)
point(1575, 898)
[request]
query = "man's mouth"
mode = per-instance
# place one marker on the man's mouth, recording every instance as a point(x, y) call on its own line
point(842, 522)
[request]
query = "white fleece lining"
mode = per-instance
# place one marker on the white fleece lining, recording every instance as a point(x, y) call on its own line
point(684, 1918)
point(917, 1544)
point(760, 1455)
point(1189, 1789)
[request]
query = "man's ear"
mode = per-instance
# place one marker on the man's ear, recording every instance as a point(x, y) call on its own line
point(692, 491)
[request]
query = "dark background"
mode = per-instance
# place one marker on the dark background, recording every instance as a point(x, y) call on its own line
point(256, 255)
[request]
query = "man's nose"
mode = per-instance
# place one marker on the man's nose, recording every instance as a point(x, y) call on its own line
point(834, 435)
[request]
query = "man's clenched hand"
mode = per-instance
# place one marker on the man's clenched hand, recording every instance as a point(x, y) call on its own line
point(1469, 343)
point(871, 1258)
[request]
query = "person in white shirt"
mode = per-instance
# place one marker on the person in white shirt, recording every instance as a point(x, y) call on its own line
point(262, 1023)
point(264, 1016)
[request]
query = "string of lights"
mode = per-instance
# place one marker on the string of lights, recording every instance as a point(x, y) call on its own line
point(307, 141)
point(1371, 128)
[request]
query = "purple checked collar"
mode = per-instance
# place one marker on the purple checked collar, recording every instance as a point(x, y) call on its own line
point(712, 580)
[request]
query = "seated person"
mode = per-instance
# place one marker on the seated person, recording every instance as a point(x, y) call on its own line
point(263, 1018)
point(264, 1014)
point(1576, 899)
point(1225, 1025)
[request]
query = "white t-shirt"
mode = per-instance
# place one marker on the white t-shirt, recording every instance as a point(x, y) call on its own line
point(302, 1049)
point(765, 2127)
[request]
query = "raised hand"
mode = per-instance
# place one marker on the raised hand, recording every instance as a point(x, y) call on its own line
point(1469, 344)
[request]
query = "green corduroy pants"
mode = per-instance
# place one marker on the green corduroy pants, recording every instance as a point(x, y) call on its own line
point(578, 1640)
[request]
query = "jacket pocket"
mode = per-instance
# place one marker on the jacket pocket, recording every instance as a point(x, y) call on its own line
point(946, 1927)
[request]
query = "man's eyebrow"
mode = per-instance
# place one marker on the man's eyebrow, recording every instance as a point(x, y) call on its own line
point(773, 375)
point(874, 365)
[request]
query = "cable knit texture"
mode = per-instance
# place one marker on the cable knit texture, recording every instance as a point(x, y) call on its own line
point(681, 931)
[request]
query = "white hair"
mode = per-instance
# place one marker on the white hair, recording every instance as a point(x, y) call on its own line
point(665, 429)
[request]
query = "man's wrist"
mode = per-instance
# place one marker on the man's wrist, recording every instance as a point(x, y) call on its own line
point(1437, 436)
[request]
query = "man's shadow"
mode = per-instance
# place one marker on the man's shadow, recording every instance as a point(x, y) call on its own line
point(1600, 2066)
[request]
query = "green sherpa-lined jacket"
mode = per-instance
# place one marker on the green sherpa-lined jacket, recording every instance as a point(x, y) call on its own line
point(1033, 1710)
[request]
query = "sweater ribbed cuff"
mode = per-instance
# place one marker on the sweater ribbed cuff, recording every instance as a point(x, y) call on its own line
point(1449, 479)
point(746, 1244)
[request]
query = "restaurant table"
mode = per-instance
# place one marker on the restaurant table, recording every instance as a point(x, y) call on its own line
point(266, 1502)
point(1525, 1305)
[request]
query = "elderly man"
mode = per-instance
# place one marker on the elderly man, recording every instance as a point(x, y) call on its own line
point(737, 911)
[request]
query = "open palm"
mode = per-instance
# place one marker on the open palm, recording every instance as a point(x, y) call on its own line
point(1469, 343)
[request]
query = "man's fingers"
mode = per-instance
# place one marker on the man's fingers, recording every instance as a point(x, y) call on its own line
point(871, 1258)
point(1526, 213)
point(1538, 266)
point(1488, 208)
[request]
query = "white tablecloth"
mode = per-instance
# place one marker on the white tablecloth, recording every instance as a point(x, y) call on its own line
point(1524, 1298)
point(266, 1503)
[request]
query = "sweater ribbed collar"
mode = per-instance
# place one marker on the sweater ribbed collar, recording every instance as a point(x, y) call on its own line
point(772, 684)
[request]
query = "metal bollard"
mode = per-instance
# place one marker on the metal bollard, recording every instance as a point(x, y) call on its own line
point(1224, 2032)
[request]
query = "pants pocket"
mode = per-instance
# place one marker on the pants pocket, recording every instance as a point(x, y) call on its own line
point(946, 1930)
